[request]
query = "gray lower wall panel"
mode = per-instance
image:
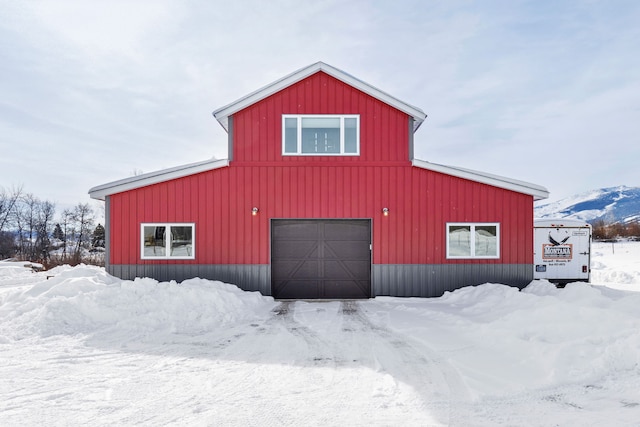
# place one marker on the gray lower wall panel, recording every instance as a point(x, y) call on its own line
point(247, 277)
point(402, 280)
point(433, 280)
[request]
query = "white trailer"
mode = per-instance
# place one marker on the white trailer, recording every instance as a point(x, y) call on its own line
point(562, 250)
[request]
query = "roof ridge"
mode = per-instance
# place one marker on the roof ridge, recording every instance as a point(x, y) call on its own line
point(222, 114)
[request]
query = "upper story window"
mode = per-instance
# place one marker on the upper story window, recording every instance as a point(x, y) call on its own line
point(167, 241)
point(469, 240)
point(320, 135)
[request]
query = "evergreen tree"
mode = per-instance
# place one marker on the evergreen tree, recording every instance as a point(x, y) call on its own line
point(57, 232)
point(7, 245)
point(98, 238)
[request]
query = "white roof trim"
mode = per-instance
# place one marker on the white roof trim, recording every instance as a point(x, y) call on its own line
point(101, 191)
point(538, 192)
point(559, 222)
point(222, 114)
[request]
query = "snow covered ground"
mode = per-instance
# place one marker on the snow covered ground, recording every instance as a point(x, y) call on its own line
point(85, 348)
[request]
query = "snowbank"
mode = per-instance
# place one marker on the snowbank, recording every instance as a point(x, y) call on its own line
point(504, 341)
point(13, 270)
point(16, 274)
point(86, 300)
point(616, 264)
point(94, 349)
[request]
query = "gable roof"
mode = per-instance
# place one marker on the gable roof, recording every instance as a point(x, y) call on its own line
point(223, 114)
point(101, 191)
point(538, 192)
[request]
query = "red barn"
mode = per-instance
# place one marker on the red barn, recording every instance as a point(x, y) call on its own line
point(321, 197)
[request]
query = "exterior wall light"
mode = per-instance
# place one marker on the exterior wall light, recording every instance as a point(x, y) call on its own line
point(385, 211)
point(254, 211)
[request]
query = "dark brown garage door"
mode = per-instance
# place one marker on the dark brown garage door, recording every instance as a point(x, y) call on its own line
point(320, 259)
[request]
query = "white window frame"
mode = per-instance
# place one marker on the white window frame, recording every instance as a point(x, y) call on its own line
point(167, 244)
point(299, 118)
point(472, 239)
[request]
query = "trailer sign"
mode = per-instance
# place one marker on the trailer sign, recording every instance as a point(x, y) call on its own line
point(559, 252)
point(562, 250)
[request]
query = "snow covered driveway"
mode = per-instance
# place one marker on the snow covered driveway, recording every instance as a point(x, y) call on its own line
point(327, 363)
point(306, 363)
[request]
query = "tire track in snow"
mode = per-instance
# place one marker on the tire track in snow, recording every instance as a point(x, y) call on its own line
point(278, 367)
point(413, 363)
point(333, 356)
point(359, 342)
point(319, 349)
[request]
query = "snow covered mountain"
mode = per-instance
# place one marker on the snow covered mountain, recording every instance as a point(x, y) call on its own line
point(614, 204)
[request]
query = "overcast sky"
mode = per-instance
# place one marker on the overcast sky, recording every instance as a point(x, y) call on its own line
point(541, 91)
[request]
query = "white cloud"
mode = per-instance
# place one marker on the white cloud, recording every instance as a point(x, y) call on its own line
point(102, 88)
point(107, 28)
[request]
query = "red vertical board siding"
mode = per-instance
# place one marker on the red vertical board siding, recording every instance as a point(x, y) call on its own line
point(258, 128)
point(410, 226)
point(114, 230)
point(220, 227)
point(420, 202)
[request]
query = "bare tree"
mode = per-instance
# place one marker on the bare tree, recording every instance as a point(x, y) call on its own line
point(8, 202)
point(633, 230)
point(31, 221)
point(17, 221)
point(28, 215)
point(68, 231)
point(83, 217)
point(601, 230)
point(26, 224)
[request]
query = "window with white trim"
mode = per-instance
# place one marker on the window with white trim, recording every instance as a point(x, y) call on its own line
point(167, 241)
point(320, 135)
point(473, 240)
